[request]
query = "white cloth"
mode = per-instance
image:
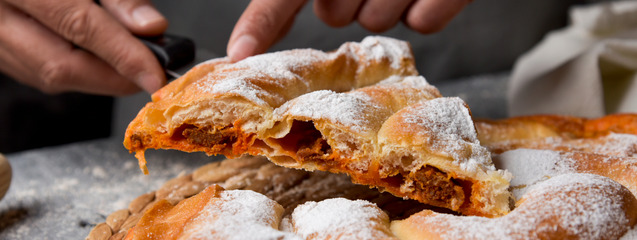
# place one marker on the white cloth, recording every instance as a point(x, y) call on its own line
point(588, 69)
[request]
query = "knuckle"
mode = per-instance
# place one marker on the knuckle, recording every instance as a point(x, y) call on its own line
point(53, 75)
point(76, 26)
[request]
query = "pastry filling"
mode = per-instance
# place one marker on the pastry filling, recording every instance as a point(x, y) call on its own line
point(438, 188)
point(210, 136)
point(305, 142)
point(427, 185)
point(431, 185)
point(306, 145)
point(215, 139)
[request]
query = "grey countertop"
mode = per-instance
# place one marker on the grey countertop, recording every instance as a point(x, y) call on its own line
point(62, 192)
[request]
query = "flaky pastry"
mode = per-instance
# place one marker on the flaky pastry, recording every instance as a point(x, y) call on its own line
point(360, 110)
point(604, 135)
point(569, 206)
point(216, 213)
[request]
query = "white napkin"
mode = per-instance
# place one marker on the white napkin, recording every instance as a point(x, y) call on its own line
point(588, 69)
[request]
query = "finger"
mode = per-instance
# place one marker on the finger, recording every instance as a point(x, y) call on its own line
point(139, 16)
point(92, 28)
point(260, 25)
point(337, 13)
point(381, 15)
point(33, 55)
point(429, 16)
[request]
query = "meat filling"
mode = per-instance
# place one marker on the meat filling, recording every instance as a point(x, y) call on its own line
point(210, 136)
point(313, 151)
point(312, 147)
point(430, 184)
point(438, 188)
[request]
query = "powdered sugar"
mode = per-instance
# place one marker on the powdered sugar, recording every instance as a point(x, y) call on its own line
point(582, 206)
point(238, 85)
point(339, 108)
point(341, 218)
point(589, 206)
point(530, 167)
point(248, 77)
point(447, 124)
point(239, 214)
point(379, 48)
point(630, 235)
point(613, 144)
point(446, 118)
point(616, 144)
point(284, 64)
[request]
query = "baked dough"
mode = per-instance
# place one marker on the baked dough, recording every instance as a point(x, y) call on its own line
point(531, 166)
point(569, 206)
point(340, 218)
point(216, 213)
point(612, 134)
point(213, 214)
point(393, 131)
point(574, 178)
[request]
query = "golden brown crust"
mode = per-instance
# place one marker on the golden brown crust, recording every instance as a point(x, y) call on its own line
point(552, 132)
point(165, 221)
point(572, 206)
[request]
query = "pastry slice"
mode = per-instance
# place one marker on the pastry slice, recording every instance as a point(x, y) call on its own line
point(220, 107)
point(360, 110)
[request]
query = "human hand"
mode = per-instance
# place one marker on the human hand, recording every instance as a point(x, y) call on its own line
point(76, 45)
point(266, 21)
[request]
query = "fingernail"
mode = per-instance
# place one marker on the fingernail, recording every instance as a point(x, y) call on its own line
point(243, 47)
point(146, 15)
point(149, 82)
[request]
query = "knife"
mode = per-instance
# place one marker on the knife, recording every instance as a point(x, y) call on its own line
point(176, 54)
point(172, 51)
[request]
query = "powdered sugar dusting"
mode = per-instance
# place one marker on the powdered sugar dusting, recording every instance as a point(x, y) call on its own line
point(239, 214)
point(341, 218)
point(615, 144)
point(283, 64)
point(340, 108)
point(530, 167)
point(447, 118)
point(588, 205)
point(246, 78)
point(574, 206)
point(450, 130)
point(378, 48)
point(398, 82)
point(630, 235)
point(237, 85)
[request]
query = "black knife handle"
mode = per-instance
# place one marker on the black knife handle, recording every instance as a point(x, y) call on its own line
point(172, 51)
